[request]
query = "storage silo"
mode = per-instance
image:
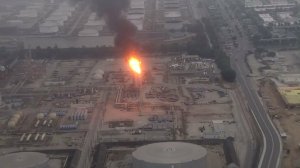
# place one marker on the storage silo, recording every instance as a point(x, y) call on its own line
point(52, 115)
point(11, 124)
point(40, 115)
point(14, 120)
point(24, 160)
point(170, 155)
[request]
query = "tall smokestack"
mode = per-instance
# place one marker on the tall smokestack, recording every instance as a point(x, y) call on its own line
point(114, 13)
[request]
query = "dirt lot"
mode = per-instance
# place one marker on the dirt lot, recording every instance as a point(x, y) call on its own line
point(289, 119)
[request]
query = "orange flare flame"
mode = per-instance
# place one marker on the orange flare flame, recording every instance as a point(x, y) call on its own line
point(135, 64)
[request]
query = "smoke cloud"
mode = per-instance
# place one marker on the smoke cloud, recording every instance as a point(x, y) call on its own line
point(113, 11)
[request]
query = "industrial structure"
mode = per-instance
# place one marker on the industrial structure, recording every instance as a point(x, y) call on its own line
point(61, 106)
point(170, 154)
point(172, 15)
point(57, 18)
point(136, 13)
point(93, 26)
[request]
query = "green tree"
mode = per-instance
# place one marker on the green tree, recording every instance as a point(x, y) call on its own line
point(228, 75)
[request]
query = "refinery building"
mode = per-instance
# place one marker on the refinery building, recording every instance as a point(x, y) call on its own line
point(56, 19)
point(136, 13)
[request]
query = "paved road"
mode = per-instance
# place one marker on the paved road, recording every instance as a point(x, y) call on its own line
point(198, 14)
point(272, 147)
point(271, 154)
point(91, 138)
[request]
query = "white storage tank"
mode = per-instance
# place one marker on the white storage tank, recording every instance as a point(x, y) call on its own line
point(170, 155)
point(40, 115)
point(24, 160)
point(11, 124)
point(52, 115)
point(16, 117)
point(14, 120)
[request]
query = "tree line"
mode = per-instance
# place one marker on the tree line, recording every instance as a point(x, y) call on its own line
point(202, 49)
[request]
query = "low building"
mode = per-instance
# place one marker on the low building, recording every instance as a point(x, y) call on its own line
point(289, 79)
point(171, 4)
point(172, 15)
point(286, 17)
point(15, 22)
point(139, 23)
point(54, 83)
point(88, 33)
point(58, 20)
point(218, 126)
point(173, 20)
point(94, 24)
point(173, 25)
point(137, 4)
point(136, 13)
point(28, 13)
point(48, 27)
point(290, 96)
point(267, 19)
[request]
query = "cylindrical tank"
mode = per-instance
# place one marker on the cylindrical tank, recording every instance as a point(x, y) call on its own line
point(43, 136)
point(50, 123)
point(11, 124)
point(82, 115)
point(16, 116)
point(73, 116)
point(77, 116)
point(52, 115)
point(40, 115)
point(22, 137)
point(45, 122)
point(20, 113)
point(37, 123)
point(61, 113)
point(14, 120)
point(24, 160)
point(170, 155)
point(36, 136)
point(85, 115)
point(28, 137)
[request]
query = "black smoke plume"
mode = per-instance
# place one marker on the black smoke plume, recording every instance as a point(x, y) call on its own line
point(113, 11)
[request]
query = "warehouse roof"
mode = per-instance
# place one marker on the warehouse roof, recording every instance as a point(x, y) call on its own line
point(291, 95)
